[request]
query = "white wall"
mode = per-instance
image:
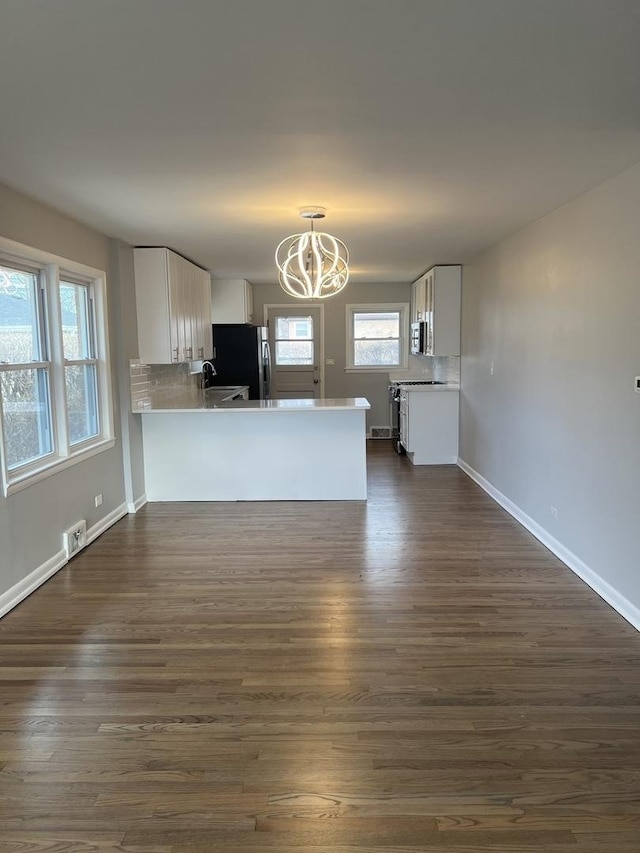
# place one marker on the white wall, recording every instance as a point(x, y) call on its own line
point(556, 308)
point(338, 384)
point(32, 520)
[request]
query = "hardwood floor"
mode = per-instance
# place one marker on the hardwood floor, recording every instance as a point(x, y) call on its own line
point(412, 674)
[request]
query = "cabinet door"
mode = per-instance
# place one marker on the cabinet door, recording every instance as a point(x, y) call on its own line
point(417, 309)
point(203, 344)
point(248, 302)
point(413, 311)
point(157, 333)
point(231, 301)
point(176, 307)
point(429, 298)
point(403, 420)
point(420, 298)
point(447, 294)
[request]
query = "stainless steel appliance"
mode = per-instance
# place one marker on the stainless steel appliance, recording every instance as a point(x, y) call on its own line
point(395, 389)
point(241, 356)
point(419, 341)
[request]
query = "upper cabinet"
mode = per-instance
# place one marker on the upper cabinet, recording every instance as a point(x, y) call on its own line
point(436, 301)
point(231, 301)
point(173, 306)
point(418, 299)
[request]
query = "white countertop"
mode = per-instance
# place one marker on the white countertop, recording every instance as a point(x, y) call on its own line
point(430, 388)
point(207, 401)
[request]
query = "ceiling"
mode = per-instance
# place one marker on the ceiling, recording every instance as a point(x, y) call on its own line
point(429, 129)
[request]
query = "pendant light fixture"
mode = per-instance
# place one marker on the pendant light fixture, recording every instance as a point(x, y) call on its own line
point(312, 265)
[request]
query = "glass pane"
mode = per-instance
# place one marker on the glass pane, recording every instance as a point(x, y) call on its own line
point(26, 415)
point(74, 308)
point(82, 401)
point(376, 324)
point(294, 328)
point(19, 329)
point(294, 352)
point(375, 353)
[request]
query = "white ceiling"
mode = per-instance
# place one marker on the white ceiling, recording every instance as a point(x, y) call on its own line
point(429, 128)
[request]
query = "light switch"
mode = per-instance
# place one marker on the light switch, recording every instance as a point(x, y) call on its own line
point(637, 383)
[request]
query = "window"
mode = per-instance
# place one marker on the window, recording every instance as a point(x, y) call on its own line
point(55, 401)
point(376, 336)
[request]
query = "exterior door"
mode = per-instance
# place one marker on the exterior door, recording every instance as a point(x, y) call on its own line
point(296, 343)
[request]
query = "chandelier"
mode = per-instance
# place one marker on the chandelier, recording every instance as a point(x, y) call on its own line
point(312, 265)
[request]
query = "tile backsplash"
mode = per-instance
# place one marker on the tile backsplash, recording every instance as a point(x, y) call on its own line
point(155, 382)
point(441, 368)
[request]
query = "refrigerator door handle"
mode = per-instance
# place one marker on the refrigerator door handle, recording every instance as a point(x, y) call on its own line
point(267, 370)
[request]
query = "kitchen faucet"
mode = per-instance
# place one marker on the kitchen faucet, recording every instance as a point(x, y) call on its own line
point(208, 372)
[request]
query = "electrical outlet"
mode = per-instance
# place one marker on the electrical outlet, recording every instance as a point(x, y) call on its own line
point(75, 538)
point(554, 511)
point(491, 369)
point(98, 500)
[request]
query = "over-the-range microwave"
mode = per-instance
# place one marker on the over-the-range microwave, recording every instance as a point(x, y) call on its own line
point(419, 338)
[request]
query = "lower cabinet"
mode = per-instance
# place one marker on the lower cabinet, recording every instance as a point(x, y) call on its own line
point(429, 426)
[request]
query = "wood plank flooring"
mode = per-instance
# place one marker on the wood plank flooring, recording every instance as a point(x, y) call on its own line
point(412, 674)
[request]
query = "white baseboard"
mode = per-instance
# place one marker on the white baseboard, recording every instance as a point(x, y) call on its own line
point(133, 507)
point(105, 523)
point(610, 594)
point(20, 590)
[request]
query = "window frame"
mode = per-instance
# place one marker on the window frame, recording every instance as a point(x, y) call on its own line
point(377, 308)
point(51, 270)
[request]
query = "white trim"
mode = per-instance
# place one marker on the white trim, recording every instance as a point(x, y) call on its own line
point(19, 591)
point(52, 267)
point(100, 526)
point(134, 506)
point(55, 466)
point(355, 307)
point(312, 303)
point(603, 588)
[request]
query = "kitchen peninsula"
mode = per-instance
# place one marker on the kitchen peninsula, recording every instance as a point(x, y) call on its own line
point(205, 449)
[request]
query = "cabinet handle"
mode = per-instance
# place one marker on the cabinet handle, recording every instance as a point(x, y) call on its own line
point(177, 354)
point(188, 353)
point(201, 352)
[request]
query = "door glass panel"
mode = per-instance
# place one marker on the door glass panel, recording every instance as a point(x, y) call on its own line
point(294, 352)
point(25, 415)
point(19, 326)
point(294, 340)
point(294, 328)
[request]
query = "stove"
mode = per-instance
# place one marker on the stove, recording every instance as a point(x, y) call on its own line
point(396, 382)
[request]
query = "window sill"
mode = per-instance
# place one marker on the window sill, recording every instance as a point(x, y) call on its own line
point(35, 475)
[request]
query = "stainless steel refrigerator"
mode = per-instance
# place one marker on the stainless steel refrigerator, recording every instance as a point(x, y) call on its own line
point(241, 356)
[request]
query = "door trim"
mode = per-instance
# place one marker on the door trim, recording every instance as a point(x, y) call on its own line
point(288, 305)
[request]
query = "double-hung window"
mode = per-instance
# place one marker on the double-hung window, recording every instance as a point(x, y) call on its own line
point(377, 336)
point(25, 369)
point(55, 388)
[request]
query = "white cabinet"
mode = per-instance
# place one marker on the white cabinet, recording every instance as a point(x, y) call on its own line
point(429, 426)
point(231, 301)
point(436, 300)
point(418, 299)
point(173, 307)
